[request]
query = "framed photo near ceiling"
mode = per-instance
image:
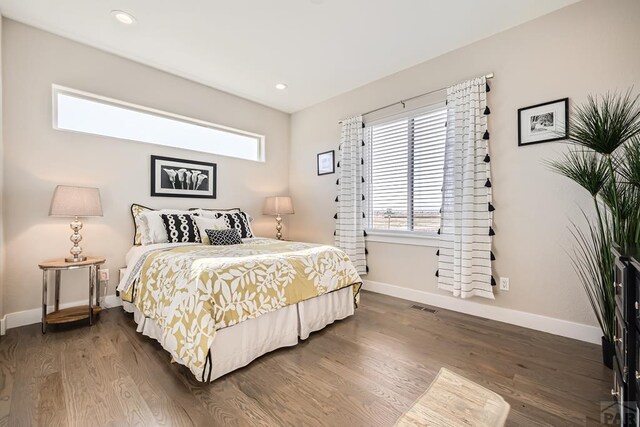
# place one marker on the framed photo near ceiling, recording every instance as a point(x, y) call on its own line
point(543, 122)
point(326, 163)
point(172, 177)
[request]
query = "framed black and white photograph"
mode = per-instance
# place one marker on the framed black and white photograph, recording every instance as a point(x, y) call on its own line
point(182, 178)
point(326, 163)
point(543, 122)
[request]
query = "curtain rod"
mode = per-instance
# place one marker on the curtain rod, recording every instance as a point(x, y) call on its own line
point(402, 101)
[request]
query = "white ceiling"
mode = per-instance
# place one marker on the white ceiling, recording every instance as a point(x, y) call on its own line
point(320, 48)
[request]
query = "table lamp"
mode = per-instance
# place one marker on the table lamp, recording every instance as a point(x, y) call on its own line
point(278, 205)
point(75, 202)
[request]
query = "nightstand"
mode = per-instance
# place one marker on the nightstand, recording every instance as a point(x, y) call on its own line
point(71, 314)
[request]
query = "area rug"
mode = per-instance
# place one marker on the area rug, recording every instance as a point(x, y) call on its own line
point(452, 400)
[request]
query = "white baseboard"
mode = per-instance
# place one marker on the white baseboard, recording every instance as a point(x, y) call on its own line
point(551, 325)
point(537, 322)
point(29, 317)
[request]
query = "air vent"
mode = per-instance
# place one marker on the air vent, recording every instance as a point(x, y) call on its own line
point(422, 308)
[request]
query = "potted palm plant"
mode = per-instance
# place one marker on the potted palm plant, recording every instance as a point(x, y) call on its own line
point(604, 159)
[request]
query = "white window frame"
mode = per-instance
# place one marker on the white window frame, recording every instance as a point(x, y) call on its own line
point(405, 237)
point(58, 89)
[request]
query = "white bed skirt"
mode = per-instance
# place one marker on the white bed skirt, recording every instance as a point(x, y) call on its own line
point(238, 345)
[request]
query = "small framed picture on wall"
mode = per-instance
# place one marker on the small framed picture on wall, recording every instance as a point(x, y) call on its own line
point(543, 122)
point(182, 178)
point(326, 163)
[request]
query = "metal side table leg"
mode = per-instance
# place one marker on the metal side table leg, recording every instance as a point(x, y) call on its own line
point(92, 278)
point(57, 290)
point(45, 274)
point(97, 281)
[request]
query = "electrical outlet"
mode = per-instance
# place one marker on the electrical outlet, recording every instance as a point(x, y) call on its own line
point(104, 274)
point(504, 283)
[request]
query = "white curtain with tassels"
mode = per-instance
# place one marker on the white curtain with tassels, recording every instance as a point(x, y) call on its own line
point(464, 256)
point(349, 216)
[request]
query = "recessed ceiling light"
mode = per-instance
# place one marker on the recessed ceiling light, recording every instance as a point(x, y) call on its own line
point(281, 86)
point(123, 17)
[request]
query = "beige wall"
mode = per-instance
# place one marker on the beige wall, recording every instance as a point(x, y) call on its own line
point(590, 47)
point(2, 260)
point(37, 158)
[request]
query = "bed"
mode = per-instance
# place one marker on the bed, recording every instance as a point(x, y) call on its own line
point(217, 308)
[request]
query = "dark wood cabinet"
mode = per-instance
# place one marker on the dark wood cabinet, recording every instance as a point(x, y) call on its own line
point(626, 364)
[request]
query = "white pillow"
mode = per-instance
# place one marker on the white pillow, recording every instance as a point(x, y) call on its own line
point(208, 213)
point(211, 213)
point(205, 223)
point(153, 230)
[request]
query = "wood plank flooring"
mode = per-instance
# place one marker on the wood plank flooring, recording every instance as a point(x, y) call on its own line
point(362, 371)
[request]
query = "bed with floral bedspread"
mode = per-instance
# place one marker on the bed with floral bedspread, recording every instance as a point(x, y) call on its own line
point(191, 291)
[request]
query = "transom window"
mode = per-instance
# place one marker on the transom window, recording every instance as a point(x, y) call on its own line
point(405, 160)
point(88, 113)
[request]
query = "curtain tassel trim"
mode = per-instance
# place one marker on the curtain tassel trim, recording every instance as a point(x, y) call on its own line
point(488, 183)
point(488, 88)
point(338, 181)
point(491, 232)
point(437, 273)
point(365, 233)
point(487, 158)
point(438, 252)
point(487, 111)
point(486, 135)
point(493, 281)
point(490, 209)
point(493, 257)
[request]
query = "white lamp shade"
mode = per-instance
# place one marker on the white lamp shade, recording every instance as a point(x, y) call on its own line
point(73, 201)
point(278, 205)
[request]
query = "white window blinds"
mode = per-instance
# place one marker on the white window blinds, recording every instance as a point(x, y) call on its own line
point(405, 159)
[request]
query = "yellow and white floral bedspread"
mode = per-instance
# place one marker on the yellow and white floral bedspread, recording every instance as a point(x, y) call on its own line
point(192, 291)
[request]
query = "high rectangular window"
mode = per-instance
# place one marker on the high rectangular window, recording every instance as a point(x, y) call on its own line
point(404, 168)
point(83, 112)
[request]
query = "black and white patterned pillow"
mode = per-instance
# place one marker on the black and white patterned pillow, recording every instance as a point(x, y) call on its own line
point(224, 237)
point(237, 221)
point(181, 228)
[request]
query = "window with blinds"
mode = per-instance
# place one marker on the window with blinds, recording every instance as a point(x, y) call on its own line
point(405, 160)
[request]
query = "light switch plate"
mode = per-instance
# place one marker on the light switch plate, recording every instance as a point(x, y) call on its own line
point(104, 274)
point(504, 283)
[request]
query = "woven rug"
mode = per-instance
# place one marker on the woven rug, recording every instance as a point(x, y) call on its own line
point(452, 400)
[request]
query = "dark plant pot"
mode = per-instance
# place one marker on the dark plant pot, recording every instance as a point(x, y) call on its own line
point(608, 350)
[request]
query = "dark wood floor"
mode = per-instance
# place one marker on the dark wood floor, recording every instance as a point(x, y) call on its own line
point(362, 371)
